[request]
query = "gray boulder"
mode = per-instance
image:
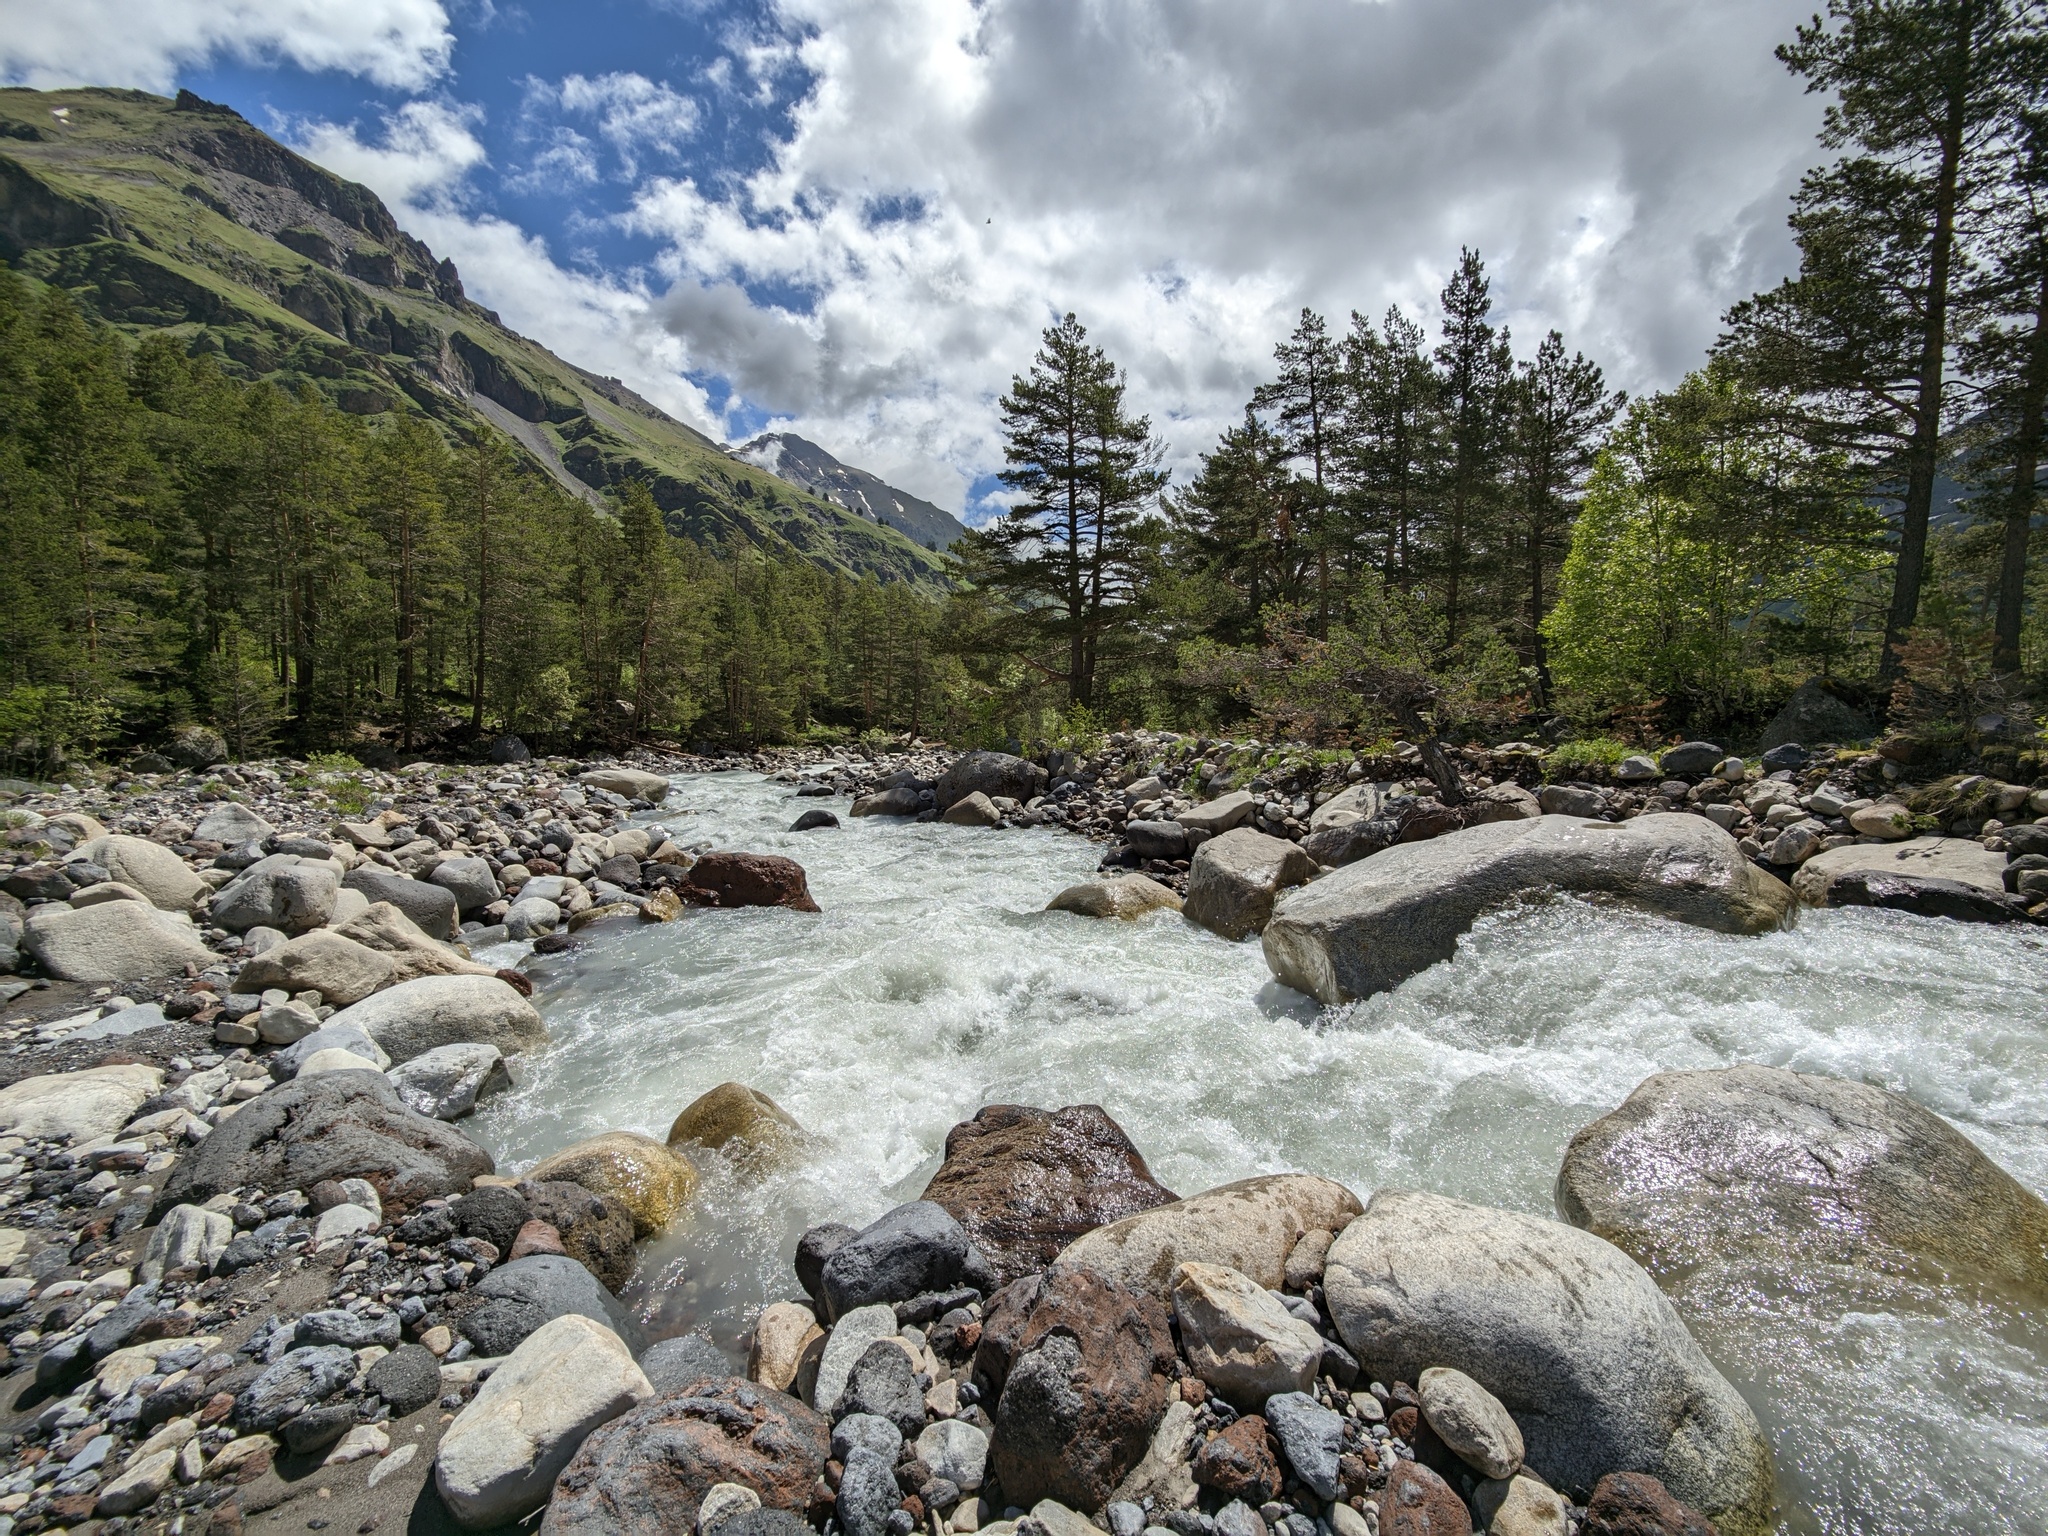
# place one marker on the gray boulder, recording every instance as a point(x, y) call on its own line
point(416, 1016)
point(994, 774)
point(1236, 877)
point(1569, 1333)
point(1370, 926)
point(1792, 1171)
point(431, 907)
point(631, 783)
point(469, 881)
point(1310, 1436)
point(285, 1064)
point(447, 1081)
point(1358, 802)
point(150, 867)
point(408, 1378)
point(1961, 859)
point(1569, 800)
point(1220, 814)
point(882, 1383)
point(337, 1125)
point(112, 941)
point(867, 1494)
point(1691, 760)
point(674, 1363)
point(913, 1249)
point(230, 824)
point(292, 1384)
point(517, 1298)
point(284, 892)
point(1157, 839)
point(900, 801)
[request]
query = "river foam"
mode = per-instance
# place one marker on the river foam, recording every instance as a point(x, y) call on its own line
point(932, 983)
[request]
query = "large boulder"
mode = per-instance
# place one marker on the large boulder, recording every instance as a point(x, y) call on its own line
point(1813, 714)
point(499, 1460)
point(648, 1472)
point(430, 906)
point(1124, 896)
point(519, 1297)
point(447, 1081)
point(420, 1015)
point(77, 1106)
point(336, 1125)
point(742, 1122)
point(197, 746)
point(1567, 1331)
point(994, 774)
point(1363, 801)
point(1371, 925)
point(385, 928)
point(1083, 1366)
point(469, 881)
point(231, 825)
point(1960, 859)
point(282, 891)
point(1220, 814)
point(900, 801)
point(111, 941)
point(749, 880)
point(150, 867)
point(1025, 1183)
point(1234, 879)
point(632, 783)
point(595, 1231)
point(1795, 1171)
point(339, 969)
point(1250, 1226)
point(906, 1252)
point(1239, 1338)
point(650, 1181)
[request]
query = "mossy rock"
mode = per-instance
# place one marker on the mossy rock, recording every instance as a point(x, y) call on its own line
point(650, 1181)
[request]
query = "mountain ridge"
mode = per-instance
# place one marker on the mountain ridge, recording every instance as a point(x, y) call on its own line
point(180, 215)
point(803, 463)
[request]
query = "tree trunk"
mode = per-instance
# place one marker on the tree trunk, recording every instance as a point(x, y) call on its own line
point(2019, 511)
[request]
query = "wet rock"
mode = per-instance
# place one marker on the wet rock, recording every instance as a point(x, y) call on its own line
point(1120, 896)
point(519, 1298)
point(340, 970)
point(1471, 1421)
point(741, 1122)
point(812, 1250)
point(1571, 1336)
point(1024, 1183)
point(1239, 1463)
point(912, 1249)
point(293, 1383)
point(1239, 1338)
point(447, 1081)
point(900, 801)
point(814, 819)
point(113, 941)
point(749, 880)
point(1311, 1438)
point(1636, 1504)
point(675, 1363)
point(339, 1125)
point(418, 1016)
point(77, 1106)
point(1792, 1171)
point(974, 810)
point(1249, 1226)
point(408, 1379)
point(645, 1177)
point(650, 1470)
point(1235, 878)
point(1416, 1502)
point(593, 1229)
point(500, 1458)
point(1371, 925)
point(993, 774)
point(1084, 1389)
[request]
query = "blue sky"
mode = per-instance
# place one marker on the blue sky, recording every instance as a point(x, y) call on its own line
point(852, 218)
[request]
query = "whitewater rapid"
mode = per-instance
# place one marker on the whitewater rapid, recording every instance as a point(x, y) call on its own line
point(933, 983)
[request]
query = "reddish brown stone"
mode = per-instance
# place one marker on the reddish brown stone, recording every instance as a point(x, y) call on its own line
point(1637, 1504)
point(1027, 1182)
point(1358, 1473)
point(518, 981)
point(1193, 1391)
point(1401, 1423)
point(164, 1325)
point(1239, 1463)
point(1416, 1502)
point(73, 1506)
point(537, 1237)
point(218, 1407)
point(646, 1472)
point(749, 880)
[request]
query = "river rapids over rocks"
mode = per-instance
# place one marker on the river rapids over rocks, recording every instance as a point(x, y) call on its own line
point(932, 983)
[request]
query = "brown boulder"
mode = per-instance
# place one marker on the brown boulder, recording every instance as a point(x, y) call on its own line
point(1027, 1182)
point(1240, 1464)
point(1085, 1387)
point(1416, 1502)
point(594, 1230)
point(645, 1473)
point(749, 880)
point(1637, 1504)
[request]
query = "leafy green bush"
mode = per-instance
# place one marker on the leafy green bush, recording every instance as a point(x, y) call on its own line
point(1589, 752)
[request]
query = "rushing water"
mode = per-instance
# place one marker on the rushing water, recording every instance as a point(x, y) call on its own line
point(932, 983)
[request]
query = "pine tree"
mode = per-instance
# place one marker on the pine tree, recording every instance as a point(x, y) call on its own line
point(1474, 367)
point(1390, 450)
point(1306, 402)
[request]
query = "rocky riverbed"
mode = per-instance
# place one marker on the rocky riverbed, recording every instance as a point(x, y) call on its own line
point(283, 1160)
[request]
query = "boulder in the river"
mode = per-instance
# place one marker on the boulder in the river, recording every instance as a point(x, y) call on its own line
point(499, 1460)
point(339, 969)
point(650, 1471)
point(974, 810)
point(1235, 878)
point(907, 1251)
point(338, 1125)
point(150, 867)
point(77, 1106)
point(1956, 900)
point(815, 819)
point(749, 880)
point(994, 774)
point(1569, 1333)
point(1799, 1171)
point(900, 801)
point(431, 1011)
point(430, 906)
point(1960, 859)
point(114, 941)
point(1083, 1388)
point(1123, 896)
point(594, 1230)
point(1370, 926)
point(520, 1296)
point(1025, 1182)
point(631, 783)
point(447, 1081)
point(742, 1122)
point(650, 1181)
point(1249, 1226)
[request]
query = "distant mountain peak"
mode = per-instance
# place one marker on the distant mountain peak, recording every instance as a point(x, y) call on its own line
point(803, 463)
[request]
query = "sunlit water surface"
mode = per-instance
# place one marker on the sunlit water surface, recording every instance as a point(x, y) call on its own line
point(932, 983)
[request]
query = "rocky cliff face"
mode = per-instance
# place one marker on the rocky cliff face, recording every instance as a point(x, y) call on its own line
point(802, 462)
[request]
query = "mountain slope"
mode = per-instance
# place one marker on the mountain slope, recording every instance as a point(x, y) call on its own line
point(181, 216)
point(803, 463)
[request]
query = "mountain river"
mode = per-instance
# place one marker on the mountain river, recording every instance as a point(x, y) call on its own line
point(932, 983)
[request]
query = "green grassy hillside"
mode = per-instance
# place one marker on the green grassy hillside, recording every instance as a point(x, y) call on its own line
point(181, 216)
